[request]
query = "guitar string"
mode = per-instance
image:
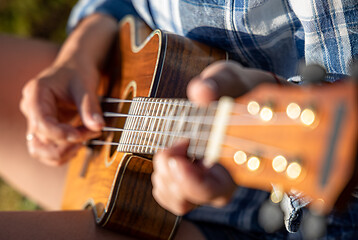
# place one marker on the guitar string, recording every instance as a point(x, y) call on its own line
point(186, 135)
point(237, 120)
point(281, 117)
point(204, 135)
point(239, 111)
point(245, 120)
point(238, 107)
point(229, 141)
point(226, 151)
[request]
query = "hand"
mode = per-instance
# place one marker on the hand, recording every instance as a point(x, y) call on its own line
point(51, 102)
point(180, 185)
point(54, 99)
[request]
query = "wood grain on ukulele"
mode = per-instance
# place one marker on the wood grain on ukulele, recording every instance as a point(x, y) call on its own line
point(301, 138)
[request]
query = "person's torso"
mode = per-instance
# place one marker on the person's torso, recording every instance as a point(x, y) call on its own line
point(264, 34)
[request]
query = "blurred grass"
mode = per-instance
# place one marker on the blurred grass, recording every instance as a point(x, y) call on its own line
point(11, 200)
point(44, 19)
point(36, 18)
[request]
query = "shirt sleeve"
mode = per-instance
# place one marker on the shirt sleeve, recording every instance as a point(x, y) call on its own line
point(330, 33)
point(115, 8)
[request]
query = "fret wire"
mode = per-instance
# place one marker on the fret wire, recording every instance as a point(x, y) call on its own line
point(143, 110)
point(203, 143)
point(143, 123)
point(209, 113)
point(129, 126)
point(176, 125)
point(184, 114)
point(156, 110)
point(149, 123)
point(133, 136)
point(162, 107)
point(193, 130)
point(201, 126)
point(200, 114)
point(124, 134)
point(165, 108)
point(193, 153)
point(166, 124)
point(170, 124)
point(188, 110)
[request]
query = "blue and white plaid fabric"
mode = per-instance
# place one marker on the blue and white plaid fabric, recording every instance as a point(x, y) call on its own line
point(273, 35)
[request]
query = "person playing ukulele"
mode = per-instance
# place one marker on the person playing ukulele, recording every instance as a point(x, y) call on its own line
point(261, 37)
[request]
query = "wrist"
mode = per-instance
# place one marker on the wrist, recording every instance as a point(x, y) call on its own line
point(81, 68)
point(84, 49)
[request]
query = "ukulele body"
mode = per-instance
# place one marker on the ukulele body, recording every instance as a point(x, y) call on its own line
point(116, 185)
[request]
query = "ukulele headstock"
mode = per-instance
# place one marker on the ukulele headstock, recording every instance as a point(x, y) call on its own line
point(296, 138)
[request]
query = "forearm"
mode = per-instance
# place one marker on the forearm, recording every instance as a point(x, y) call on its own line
point(87, 47)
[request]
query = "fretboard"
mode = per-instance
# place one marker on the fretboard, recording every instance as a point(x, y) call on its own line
point(155, 124)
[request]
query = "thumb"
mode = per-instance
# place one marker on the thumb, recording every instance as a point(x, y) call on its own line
point(223, 78)
point(89, 109)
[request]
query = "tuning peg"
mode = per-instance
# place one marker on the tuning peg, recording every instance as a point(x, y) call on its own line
point(270, 216)
point(313, 74)
point(313, 226)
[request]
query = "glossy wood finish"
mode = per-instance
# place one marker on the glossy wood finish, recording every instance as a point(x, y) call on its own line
point(136, 213)
point(183, 60)
point(117, 185)
point(317, 148)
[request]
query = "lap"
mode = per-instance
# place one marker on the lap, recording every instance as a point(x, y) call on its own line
point(20, 60)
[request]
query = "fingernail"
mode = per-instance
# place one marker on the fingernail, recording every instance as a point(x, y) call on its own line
point(212, 84)
point(213, 87)
point(172, 164)
point(30, 137)
point(73, 137)
point(98, 118)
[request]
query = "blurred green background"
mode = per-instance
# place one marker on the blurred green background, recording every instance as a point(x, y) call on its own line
point(36, 18)
point(44, 19)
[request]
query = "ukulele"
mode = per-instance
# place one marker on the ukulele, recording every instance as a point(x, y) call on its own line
point(291, 137)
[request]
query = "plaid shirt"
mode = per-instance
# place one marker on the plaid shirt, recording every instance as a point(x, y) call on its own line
point(273, 35)
point(268, 34)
